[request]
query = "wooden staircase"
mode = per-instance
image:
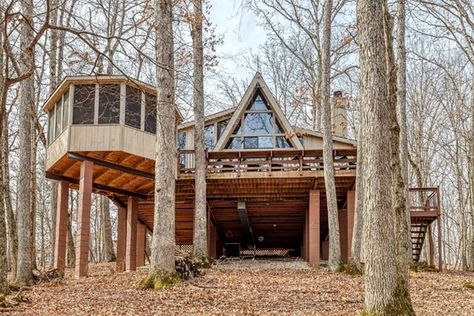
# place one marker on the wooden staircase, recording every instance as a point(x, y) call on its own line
point(418, 233)
point(424, 210)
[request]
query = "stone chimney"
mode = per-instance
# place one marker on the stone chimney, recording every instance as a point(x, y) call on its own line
point(339, 106)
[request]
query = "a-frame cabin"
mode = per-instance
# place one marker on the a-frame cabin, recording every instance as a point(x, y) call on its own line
point(265, 185)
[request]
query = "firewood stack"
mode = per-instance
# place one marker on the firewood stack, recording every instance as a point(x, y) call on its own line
point(186, 268)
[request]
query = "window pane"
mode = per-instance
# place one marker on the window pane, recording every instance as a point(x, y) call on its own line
point(209, 137)
point(259, 104)
point(221, 127)
point(83, 109)
point(65, 110)
point(265, 142)
point(59, 108)
point(150, 113)
point(261, 142)
point(133, 107)
point(234, 143)
point(282, 142)
point(258, 123)
point(250, 142)
point(182, 140)
point(109, 104)
point(51, 126)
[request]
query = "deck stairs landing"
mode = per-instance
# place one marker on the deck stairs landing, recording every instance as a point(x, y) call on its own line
point(424, 210)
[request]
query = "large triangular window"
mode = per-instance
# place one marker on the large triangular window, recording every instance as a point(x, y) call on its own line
point(258, 128)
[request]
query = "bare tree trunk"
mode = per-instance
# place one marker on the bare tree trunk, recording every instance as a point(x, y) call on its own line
point(53, 80)
point(471, 179)
point(4, 289)
point(163, 246)
point(405, 246)
point(357, 235)
point(334, 261)
point(34, 147)
point(398, 187)
point(11, 221)
point(200, 250)
point(24, 223)
point(108, 253)
point(381, 277)
point(3, 249)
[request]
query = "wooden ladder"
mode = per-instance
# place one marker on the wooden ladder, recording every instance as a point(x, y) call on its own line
point(418, 233)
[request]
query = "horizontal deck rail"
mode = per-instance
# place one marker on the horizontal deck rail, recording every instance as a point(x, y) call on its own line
point(266, 161)
point(424, 201)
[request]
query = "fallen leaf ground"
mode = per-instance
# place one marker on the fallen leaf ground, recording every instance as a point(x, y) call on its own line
point(249, 288)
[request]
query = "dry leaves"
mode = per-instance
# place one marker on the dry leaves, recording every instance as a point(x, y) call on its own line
point(261, 288)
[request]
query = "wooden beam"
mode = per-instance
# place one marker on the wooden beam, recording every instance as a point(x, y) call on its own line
point(111, 165)
point(98, 187)
point(247, 232)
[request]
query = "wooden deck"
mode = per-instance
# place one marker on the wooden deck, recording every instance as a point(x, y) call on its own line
point(274, 184)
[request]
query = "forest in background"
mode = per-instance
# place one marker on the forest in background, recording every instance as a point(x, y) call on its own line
point(116, 37)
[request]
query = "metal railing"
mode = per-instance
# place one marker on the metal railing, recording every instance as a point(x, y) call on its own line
point(424, 199)
point(267, 161)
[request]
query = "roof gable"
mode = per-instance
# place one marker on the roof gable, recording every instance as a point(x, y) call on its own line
point(258, 98)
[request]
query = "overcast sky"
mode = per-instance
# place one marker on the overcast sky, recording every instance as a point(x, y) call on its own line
point(241, 34)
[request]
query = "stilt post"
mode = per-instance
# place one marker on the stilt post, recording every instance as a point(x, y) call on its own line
point(83, 219)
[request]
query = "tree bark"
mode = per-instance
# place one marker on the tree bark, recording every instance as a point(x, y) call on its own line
point(163, 247)
point(471, 180)
point(11, 221)
point(334, 261)
point(200, 250)
point(4, 289)
point(33, 187)
point(398, 187)
point(24, 222)
point(108, 253)
point(381, 277)
point(53, 80)
point(405, 245)
point(358, 231)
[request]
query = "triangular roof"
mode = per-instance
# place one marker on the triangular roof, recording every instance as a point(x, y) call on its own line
point(258, 84)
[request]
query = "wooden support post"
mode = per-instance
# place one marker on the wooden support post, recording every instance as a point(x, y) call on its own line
point(350, 222)
point(131, 251)
point(440, 251)
point(438, 221)
point(141, 244)
point(314, 228)
point(121, 238)
point(211, 239)
point(83, 219)
point(430, 246)
point(342, 217)
point(304, 250)
point(61, 226)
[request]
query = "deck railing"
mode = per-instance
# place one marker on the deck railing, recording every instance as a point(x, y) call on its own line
point(424, 199)
point(267, 161)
